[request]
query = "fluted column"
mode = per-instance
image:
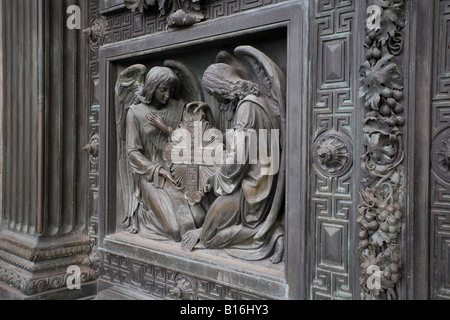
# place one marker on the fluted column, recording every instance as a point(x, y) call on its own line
point(45, 215)
point(1, 109)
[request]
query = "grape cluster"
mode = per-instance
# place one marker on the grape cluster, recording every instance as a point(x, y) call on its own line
point(368, 221)
point(386, 217)
point(372, 54)
point(392, 271)
point(390, 220)
point(386, 103)
point(390, 108)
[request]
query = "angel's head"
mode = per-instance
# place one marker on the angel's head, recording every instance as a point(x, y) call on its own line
point(161, 85)
point(224, 83)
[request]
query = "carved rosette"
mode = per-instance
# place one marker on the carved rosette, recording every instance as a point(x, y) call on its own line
point(96, 33)
point(440, 155)
point(380, 214)
point(332, 153)
point(93, 148)
point(186, 288)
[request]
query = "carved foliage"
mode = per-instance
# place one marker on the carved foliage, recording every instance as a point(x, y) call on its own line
point(381, 211)
point(184, 13)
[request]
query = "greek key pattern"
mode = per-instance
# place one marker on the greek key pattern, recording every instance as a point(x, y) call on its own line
point(440, 156)
point(332, 154)
point(163, 283)
point(125, 24)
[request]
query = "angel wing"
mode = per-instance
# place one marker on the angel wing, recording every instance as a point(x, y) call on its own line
point(191, 88)
point(238, 65)
point(272, 82)
point(271, 78)
point(129, 83)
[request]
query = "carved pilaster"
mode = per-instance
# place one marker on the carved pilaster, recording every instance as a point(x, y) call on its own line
point(440, 156)
point(381, 213)
point(45, 226)
point(332, 180)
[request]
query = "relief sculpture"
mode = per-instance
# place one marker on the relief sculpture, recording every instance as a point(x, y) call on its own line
point(185, 180)
point(158, 207)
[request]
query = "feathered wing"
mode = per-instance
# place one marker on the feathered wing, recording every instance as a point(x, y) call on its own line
point(272, 82)
point(129, 83)
point(191, 89)
point(238, 65)
point(271, 78)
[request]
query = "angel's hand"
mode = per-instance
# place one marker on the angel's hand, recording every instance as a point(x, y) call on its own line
point(158, 122)
point(202, 106)
point(199, 106)
point(166, 174)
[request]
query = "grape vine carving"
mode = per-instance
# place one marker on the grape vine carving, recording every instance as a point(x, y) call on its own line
point(381, 213)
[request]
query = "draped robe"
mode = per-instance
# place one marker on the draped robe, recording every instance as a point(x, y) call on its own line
point(164, 213)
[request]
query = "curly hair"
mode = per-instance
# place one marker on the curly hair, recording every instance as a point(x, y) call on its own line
point(223, 80)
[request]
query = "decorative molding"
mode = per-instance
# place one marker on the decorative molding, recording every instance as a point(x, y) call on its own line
point(162, 283)
point(40, 284)
point(381, 212)
point(35, 255)
point(125, 24)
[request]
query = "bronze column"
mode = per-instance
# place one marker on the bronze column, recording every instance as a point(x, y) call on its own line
point(44, 230)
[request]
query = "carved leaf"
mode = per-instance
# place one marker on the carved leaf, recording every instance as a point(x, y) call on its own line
point(374, 79)
point(368, 198)
point(382, 151)
point(392, 18)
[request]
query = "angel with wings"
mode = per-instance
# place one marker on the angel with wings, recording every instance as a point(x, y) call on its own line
point(245, 219)
point(155, 206)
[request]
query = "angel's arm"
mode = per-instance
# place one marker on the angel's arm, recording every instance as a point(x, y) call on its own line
point(158, 122)
point(234, 170)
point(138, 162)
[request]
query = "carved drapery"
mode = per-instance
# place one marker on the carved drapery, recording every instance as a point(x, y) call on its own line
point(381, 213)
